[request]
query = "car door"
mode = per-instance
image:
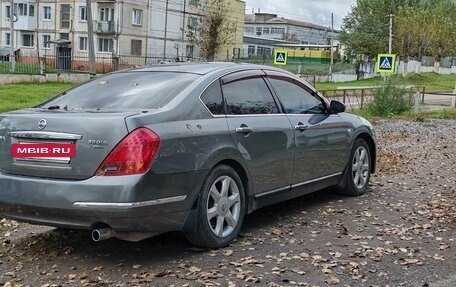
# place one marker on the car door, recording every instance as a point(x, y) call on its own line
point(263, 135)
point(320, 137)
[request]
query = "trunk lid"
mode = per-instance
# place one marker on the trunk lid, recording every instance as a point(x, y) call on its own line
point(93, 134)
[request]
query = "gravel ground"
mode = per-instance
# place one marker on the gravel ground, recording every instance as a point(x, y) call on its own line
point(401, 233)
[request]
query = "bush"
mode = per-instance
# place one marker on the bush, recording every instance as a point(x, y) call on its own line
point(390, 100)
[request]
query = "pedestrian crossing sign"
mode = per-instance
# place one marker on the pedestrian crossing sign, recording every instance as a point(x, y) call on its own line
point(386, 63)
point(280, 58)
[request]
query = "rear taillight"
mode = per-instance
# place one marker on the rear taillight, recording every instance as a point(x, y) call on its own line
point(133, 155)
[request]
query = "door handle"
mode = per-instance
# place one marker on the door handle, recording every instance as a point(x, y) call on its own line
point(301, 127)
point(244, 130)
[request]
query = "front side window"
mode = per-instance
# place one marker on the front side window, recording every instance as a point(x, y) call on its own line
point(295, 98)
point(249, 96)
point(65, 16)
point(136, 17)
point(213, 100)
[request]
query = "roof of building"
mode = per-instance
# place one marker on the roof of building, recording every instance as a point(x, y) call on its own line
point(266, 18)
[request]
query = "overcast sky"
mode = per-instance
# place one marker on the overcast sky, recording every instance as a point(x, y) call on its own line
point(315, 11)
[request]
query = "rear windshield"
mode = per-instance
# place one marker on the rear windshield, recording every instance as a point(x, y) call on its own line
point(129, 90)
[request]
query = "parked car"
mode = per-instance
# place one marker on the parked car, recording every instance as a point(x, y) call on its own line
point(189, 147)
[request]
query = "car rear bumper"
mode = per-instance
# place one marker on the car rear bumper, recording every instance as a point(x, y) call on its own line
point(123, 203)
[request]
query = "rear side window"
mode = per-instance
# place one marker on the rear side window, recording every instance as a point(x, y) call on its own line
point(249, 96)
point(129, 90)
point(213, 100)
point(295, 98)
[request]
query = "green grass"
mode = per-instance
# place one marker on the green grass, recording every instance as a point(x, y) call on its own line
point(431, 81)
point(444, 114)
point(23, 68)
point(19, 96)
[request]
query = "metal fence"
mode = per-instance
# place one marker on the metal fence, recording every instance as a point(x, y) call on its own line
point(65, 60)
point(359, 98)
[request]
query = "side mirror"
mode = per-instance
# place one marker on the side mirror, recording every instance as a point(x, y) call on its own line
point(337, 107)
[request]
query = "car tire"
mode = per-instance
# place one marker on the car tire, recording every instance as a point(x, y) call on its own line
point(358, 171)
point(221, 209)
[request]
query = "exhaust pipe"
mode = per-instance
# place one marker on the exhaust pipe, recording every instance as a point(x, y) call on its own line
point(102, 234)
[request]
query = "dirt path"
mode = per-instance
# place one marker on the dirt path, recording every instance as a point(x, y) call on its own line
point(401, 233)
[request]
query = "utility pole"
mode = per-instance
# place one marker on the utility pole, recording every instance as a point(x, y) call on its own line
point(166, 30)
point(91, 46)
point(390, 44)
point(12, 52)
point(331, 65)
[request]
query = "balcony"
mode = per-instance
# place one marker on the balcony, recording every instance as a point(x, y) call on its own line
point(27, 23)
point(105, 27)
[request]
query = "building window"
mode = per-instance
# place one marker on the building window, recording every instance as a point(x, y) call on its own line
point(65, 16)
point(136, 17)
point(32, 10)
point(82, 13)
point(266, 30)
point(251, 51)
point(46, 13)
point(21, 9)
point(27, 40)
point(189, 51)
point(278, 31)
point(83, 44)
point(192, 23)
point(193, 2)
point(64, 36)
point(7, 39)
point(249, 30)
point(136, 47)
point(46, 41)
point(106, 14)
point(259, 31)
point(105, 45)
point(8, 12)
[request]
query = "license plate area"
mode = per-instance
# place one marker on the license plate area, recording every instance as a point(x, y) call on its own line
point(46, 152)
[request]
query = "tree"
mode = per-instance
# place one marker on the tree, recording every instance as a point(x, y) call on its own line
point(444, 24)
point(365, 30)
point(215, 31)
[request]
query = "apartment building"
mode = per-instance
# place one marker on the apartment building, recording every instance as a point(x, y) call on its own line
point(153, 30)
point(45, 26)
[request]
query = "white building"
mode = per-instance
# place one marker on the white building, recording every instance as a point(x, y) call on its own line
point(270, 26)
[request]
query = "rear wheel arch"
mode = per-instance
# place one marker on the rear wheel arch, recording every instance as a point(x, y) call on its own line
point(242, 172)
point(191, 221)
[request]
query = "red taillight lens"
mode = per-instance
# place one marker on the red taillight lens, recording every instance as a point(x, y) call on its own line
point(133, 155)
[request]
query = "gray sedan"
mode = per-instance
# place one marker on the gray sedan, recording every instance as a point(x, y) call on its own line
point(191, 148)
